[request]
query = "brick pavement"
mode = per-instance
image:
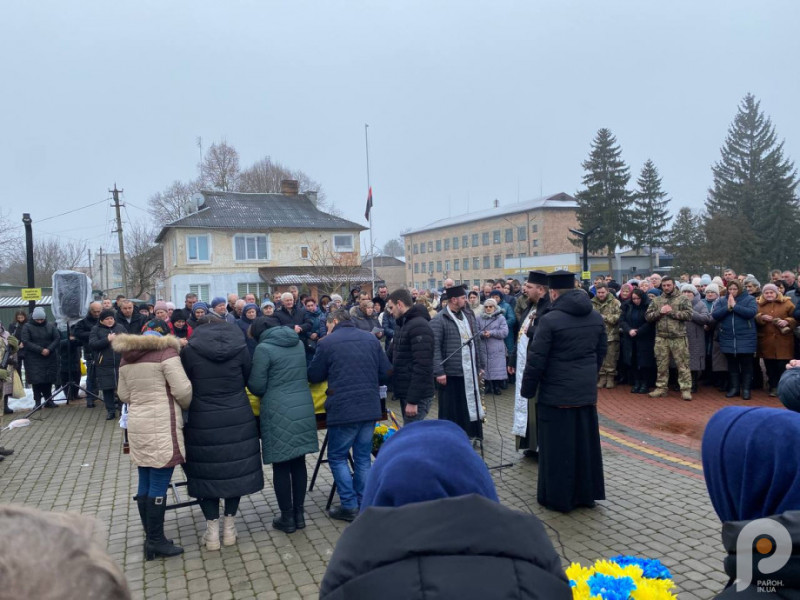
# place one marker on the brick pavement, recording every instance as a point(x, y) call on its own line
point(657, 504)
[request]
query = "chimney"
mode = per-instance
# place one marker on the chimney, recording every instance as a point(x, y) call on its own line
point(312, 195)
point(289, 187)
point(496, 202)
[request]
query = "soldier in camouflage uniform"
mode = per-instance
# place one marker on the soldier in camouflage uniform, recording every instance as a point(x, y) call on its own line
point(610, 309)
point(669, 312)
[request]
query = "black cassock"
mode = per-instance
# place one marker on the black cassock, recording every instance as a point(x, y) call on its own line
point(453, 406)
point(570, 459)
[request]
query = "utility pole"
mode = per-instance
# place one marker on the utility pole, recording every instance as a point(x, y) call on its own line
point(26, 219)
point(116, 205)
point(89, 256)
point(101, 268)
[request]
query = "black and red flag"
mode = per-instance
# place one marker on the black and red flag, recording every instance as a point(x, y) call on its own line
point(369, 204)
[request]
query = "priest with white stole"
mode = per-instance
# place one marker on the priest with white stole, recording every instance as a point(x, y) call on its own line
point(524, 427)
point(458, 361)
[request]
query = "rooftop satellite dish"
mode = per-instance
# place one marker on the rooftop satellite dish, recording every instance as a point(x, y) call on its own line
point(198, 199)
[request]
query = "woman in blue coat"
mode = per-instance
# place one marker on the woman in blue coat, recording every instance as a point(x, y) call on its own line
point(738, 337)
point(288, 425)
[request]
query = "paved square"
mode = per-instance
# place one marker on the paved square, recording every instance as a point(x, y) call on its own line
point(70, 459)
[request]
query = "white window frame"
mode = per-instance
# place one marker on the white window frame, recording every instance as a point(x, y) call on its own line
point(197, 288)
point(344, 248)
point(195, 261)
point(245, 236)
point(260, 288)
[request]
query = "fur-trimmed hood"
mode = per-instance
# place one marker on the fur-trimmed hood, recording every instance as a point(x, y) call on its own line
point(125, 343)
point(761, 301)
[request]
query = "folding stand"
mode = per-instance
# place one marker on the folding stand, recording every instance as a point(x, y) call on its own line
point(321, 459)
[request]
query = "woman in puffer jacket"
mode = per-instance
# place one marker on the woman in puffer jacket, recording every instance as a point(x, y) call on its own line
point(494, 330)
point(735, 315)
point(154, 386)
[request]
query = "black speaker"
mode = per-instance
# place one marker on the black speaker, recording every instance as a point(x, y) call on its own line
point(72, 294)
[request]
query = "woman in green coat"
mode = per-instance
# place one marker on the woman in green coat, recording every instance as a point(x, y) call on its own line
point(288, 425)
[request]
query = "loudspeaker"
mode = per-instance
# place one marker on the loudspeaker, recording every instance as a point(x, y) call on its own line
point(72, 294)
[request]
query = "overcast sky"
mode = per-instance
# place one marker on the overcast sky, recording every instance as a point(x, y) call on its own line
point(466, 101)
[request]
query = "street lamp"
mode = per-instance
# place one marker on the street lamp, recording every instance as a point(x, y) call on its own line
point(585, 240)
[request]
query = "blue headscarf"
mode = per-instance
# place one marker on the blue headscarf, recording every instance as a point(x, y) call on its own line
point(426, 460)
point(202, 305)
point(751, 461)
point(654, 291)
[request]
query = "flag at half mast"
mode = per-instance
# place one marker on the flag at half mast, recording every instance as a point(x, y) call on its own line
point(369, 204)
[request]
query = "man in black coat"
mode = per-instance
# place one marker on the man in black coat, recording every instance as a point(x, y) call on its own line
point(131, 320)
point(562, 365)
point(412, 355)
point(81, 330)
point(295, 317)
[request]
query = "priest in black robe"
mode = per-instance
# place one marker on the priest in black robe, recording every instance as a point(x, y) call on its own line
point(562, 363)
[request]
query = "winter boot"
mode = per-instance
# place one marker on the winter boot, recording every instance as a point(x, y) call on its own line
point(6, 410)
point(694, 382)
point(141, 504)
point(747, 383)
point(611, 382)
point(228, 530)
point(636, 384)
point(211, 536)
point(773, 392)
point(659, 393)
point(601, 381)
point(299, 518)
point(285, 522)
point(50, 404)
point(686, 395)
point(156, 544)
point(4, 452)
point(733, 386)
point(498, 388)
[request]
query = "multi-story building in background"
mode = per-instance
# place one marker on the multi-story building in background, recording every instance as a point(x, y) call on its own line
point(473, 247)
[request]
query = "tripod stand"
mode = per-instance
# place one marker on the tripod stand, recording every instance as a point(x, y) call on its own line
point(70, 386)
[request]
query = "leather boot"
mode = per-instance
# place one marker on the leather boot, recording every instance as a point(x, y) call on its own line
point(141, 504)
point(285, 522)
point(299, 518)
point(211, 536)
point(694, 382)
point(636, 385)
point(747, 384)
point(6, 410)
point(228, 530)
point(156, 544)
point(733, 387)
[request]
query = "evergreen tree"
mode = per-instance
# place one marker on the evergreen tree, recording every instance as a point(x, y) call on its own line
point(754, 188)
point(650, 216)
point(686, 242)
point(605, 199)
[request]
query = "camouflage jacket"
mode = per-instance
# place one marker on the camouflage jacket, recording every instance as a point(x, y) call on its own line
point(672, 325)
point(611, 310)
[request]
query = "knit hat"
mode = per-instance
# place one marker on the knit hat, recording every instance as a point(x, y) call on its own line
point(197, 305)
point(160, 305)
point(718, 281)
point(654, 292)
point(158, 325)
point(152, 332)
point(770, 287)
point(336, 298)
point(217, 301)
point(697, 281)
point(497, 293)
point(705, 279)
point(712, 288)
point(268, 303)
point(426, 460)
point(490, 302)
point(688, 287)
point(179, 314)
point(104, 314)
point(38, 313)
point(247, 307)
point(170, 306)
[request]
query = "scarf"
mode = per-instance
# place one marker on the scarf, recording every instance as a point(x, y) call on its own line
point(468, 360)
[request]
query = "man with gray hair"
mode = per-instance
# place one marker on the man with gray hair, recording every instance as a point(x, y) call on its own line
point(290, 315)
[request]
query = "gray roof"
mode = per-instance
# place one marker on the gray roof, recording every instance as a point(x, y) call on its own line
point(560, 200)
point(258, 212)
point(14, 302)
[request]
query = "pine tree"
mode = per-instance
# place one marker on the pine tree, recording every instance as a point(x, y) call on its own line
point(650, 216)
point(605, 199)
point(686, 242)
point(754, 188)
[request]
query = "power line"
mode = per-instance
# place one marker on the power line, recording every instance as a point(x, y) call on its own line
point(71, 211)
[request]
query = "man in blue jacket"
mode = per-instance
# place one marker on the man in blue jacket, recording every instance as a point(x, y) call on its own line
point(355, 365)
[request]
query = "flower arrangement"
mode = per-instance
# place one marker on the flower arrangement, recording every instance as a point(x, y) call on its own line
point(621, 578)
point(380, 435)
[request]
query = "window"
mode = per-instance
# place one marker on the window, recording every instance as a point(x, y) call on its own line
point(447, 243)
point(197, 248)
point(430, 267)
point(438, 245)
point(476, 263)
point(456, 264)
point(447, 266)
point(522, 233)
point(535, 228)
point(497, 263)
point(438, 266)
point(455, 243)
point(304, 252)
point(509, 235)
point(476, 282)
point(409, 266)
point(422, 248)
point(343, 243)
point(475, 240)
point(465, 241)
point(496, 236)
point(536, 254)
point(430, 246)
point(521, 255)
point(416, 267)
point(485, 238)
point(201, 289)
point(416, 249)
point(486, 262)
point(257, 289)
point(439, 284)
point(251, 247)
point(465, 264)
point(510, 255)
point(535, 243)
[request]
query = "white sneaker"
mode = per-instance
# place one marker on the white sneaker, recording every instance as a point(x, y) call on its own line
point(228, 531)
point(211, 536)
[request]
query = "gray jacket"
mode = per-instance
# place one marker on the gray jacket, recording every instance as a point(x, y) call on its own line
point(447, 341)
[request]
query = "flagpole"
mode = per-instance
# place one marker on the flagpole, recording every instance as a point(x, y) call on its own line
point(369, 188)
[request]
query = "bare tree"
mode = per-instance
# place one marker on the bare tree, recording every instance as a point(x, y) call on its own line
point(10, 237)
point(171, 204)
point(145, 259)
point(49, 255)
point(338, 272)
point(394, 248)
point(221, 168)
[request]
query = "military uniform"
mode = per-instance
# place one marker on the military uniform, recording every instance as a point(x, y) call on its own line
point(611, 310)
point(671, 341)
